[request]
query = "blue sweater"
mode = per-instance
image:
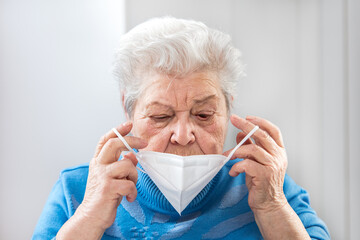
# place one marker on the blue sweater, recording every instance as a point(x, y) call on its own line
point(220, 210)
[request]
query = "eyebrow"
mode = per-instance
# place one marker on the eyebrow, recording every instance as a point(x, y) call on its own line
point(196, 101)
point(205, 99)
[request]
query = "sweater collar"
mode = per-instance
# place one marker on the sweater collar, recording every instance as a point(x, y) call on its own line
point(150, 195)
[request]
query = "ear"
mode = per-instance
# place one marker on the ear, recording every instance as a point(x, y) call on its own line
point(230, 106)
point(123, 105)
point(231, 102)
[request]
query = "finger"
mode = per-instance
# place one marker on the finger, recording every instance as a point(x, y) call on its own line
point(269, 127)
point(249, 167)
point(240, 136)
point(123, 129)
point(123, 169)
point(112, 149)
point(124, 188)
point(131, 157)
point(254, 152)
point(260, 136)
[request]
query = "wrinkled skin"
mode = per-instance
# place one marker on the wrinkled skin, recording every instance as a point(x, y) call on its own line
point(186, 117)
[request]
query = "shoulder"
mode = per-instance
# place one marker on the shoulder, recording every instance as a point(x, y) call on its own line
point(65, 197)
point(77, 174)
point(73, 181)
point(299, 200)
point(295, 193)
point(79, 169)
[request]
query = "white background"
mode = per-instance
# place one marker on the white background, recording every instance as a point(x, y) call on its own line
point(57, 94)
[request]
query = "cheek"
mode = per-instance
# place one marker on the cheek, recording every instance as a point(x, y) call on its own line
point(212, 137)
point(143, 129)
point(217, 128)
point(157, 138)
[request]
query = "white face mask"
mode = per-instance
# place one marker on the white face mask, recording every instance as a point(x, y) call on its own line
point(181, 178)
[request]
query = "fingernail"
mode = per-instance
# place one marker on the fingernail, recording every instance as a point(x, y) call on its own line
point(126, 124)
point(132, 197)
point(250, 117)
point(236, 117)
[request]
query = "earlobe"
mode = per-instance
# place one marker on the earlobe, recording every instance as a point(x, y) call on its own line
point(123, 105)
point(231, 100)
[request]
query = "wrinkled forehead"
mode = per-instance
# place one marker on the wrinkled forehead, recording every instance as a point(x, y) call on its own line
point(193, 89)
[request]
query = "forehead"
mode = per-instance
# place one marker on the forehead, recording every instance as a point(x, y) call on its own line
point(173, 91)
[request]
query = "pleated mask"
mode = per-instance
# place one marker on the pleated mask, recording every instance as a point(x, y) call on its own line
point(181, 178)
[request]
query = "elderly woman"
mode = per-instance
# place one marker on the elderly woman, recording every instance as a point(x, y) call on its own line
point(177, 80)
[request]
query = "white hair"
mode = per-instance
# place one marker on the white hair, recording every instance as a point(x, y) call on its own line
point(176, 48)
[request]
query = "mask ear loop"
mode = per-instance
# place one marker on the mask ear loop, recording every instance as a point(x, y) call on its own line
point(128, 147)
point(242, 142)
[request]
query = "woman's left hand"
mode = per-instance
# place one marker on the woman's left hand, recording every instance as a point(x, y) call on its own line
point(264, 163)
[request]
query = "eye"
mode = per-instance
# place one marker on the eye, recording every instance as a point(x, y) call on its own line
point(160, 118)
point(204, 116)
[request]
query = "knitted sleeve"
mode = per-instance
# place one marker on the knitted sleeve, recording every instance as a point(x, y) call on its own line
point(298, 199)
point(54, 214)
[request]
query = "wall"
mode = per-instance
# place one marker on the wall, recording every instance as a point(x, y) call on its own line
point(301, 61)
point(57, 97)
point(353, 74)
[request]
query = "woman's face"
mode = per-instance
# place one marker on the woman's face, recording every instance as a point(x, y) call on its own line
point(182, 116)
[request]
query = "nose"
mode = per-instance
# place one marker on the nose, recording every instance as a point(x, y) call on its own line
point(183, 131)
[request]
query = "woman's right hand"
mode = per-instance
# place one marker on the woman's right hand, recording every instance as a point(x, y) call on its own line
point(108, 181)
